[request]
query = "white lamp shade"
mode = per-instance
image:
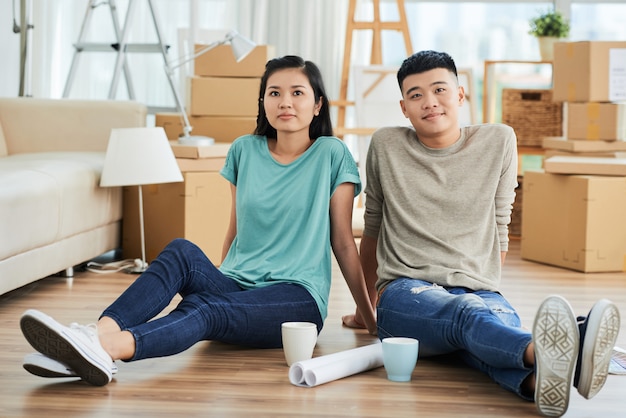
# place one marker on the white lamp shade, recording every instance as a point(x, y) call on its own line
point(137, 156)
point(240, 45)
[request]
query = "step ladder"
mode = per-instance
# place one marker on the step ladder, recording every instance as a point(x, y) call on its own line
point(121, 47)
point(377, 27)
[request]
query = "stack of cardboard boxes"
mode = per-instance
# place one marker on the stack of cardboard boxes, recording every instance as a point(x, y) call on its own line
point(222, 95)
point(221, 103)
point(533, 114)
point(573, 210)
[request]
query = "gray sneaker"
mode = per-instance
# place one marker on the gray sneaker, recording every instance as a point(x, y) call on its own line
point(76, 346)
point(43, 366)
point(556, 339)
point(598, 332)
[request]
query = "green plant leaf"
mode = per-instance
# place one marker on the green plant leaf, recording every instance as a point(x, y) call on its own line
point(550, 23)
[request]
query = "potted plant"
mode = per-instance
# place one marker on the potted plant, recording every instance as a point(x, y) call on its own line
point(548, 27)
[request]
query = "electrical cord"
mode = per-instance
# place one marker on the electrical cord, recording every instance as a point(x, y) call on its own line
point(114, 266)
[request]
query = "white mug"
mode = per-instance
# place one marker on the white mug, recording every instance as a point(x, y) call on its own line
point(299, 339)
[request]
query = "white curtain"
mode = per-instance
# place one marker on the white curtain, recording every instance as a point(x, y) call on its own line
point(313, 29)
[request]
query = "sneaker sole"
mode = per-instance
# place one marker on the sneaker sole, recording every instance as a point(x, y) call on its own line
point(44, 372)
point(47, 337)
point(602, 329)
point(40, 369)
point(555, 335)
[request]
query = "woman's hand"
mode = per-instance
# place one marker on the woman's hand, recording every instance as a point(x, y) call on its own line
point(351, 322)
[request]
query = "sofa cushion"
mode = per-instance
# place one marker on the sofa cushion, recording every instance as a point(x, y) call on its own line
point(48, 125)
point(46, 197)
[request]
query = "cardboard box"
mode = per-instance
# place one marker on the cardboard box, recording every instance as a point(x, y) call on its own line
point(585, 165)
point(589, 71)
point(223, 96)
point(221, 128)
point(578, 145)
point(595, 120)
point(574, 221)
point(596, 154)
point(197, 209)
point(220, 61)
point(171, 122)
point(217, 151)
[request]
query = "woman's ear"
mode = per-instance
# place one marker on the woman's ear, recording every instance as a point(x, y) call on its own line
point(318, 106)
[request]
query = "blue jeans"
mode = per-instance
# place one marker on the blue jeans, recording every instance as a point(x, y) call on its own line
point(213, 306)
point(481, 326)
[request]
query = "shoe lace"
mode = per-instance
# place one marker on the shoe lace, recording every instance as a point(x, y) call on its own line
point(90, 330)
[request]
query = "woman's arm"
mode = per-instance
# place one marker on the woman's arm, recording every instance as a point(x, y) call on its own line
point(344, 248)
point(232, 225)
point(369, 265)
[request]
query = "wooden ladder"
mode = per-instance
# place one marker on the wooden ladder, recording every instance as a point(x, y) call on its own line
point(377, 26)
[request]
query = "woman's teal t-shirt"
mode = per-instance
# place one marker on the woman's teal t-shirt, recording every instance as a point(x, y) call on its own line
point(283, 222)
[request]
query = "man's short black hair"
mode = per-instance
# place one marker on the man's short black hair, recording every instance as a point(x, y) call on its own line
point(425, 61)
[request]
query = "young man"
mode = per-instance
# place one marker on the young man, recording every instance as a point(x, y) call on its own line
point(438, 205)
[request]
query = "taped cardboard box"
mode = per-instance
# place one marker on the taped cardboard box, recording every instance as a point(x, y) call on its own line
point(585, 165)
point(220, 61)
point(574, 221)
point(589, 71)
point(221, 128)
point(596, 121)
point(223, 96)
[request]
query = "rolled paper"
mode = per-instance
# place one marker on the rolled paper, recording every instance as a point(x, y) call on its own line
point(324, 369)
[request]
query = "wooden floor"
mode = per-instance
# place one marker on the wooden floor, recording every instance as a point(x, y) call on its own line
point(218, 380)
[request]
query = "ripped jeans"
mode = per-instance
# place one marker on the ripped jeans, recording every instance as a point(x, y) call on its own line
point(481, 326)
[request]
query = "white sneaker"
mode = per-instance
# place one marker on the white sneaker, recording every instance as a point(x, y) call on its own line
point(76, 346)
point(556, 339)
point(44, 366)
point(598, 332)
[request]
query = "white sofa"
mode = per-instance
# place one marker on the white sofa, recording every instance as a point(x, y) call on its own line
point(53, 214)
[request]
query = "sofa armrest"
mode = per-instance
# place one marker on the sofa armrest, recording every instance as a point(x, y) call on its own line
point(42, 125)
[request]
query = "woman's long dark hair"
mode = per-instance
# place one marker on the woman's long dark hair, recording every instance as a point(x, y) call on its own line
point(321, 124)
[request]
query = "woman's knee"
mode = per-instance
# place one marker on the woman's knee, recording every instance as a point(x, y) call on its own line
point(180, 244)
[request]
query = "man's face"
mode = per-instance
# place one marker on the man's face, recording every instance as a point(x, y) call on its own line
point(431, 101)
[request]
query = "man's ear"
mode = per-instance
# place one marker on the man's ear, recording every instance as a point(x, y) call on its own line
point(403, 107)
point(461, 95)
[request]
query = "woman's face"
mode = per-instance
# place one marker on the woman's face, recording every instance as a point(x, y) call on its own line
point(289, 101)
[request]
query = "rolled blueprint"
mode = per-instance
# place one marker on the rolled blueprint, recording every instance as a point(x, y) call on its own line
point(324, 369)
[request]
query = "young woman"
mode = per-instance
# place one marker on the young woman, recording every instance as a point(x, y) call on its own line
point(293, 186)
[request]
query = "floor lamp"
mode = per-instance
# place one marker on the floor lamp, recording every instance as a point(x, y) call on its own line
point(138, 156)
point(241, 47)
